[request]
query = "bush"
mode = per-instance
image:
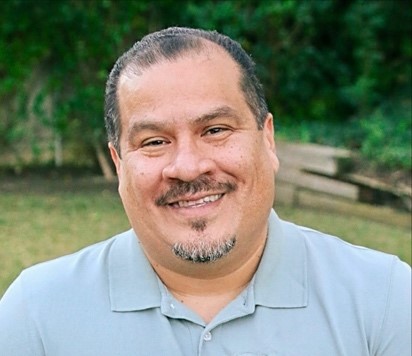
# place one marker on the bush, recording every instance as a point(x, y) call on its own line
point(382, 138)
point(387, 137)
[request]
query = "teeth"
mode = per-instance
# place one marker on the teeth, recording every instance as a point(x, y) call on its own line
point(189, 203)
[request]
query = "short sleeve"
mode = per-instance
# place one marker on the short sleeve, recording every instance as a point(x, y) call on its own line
point(395, 335)
point(18, 332)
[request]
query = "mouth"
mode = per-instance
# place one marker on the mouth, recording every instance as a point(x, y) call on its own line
point(196, 203)
point(197, 193)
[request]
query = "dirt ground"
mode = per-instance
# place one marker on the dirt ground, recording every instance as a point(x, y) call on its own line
point(46, 185)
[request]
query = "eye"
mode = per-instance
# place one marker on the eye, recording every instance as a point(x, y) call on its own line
point(153, 142)
point(215, 130)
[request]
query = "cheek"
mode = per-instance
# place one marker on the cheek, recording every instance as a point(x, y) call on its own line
point(240, 155)
point(234, 160)
point(139, 168)
point(137, 177)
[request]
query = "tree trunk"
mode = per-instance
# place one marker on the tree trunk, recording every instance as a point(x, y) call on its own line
point(58, 150)
point(104, 163)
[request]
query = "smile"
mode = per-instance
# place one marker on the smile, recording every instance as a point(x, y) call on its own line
point(196, 203)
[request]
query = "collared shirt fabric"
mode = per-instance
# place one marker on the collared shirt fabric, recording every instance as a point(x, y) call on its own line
point(312, 294)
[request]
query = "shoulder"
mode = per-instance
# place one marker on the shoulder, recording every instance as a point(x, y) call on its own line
point(77, 270)
point(373, 284)
point(338, 254)
point(342, 270)
point(335, 266)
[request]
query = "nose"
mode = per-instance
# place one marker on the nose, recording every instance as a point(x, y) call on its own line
point(188, 162)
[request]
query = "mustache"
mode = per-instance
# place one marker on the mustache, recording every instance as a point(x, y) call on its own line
point(202, 184)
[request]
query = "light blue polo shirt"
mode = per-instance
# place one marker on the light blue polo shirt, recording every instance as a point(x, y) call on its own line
point(312, 294)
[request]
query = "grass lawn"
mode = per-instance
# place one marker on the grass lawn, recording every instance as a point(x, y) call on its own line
point(37, 226)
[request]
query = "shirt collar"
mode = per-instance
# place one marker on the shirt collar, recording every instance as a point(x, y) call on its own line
point(133, 284)
point(280, 281)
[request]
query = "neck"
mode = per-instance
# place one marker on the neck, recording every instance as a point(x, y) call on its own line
point(208, 293)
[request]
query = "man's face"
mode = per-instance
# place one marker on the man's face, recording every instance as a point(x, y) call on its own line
point(196, 176)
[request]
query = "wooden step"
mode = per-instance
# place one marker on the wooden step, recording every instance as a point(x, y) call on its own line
point(327, 170)
point(301, 179)
point(315, 158)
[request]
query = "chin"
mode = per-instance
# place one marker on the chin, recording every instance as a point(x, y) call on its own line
point(202, 250)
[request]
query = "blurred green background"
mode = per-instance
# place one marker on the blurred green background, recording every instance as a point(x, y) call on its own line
point(335, 72)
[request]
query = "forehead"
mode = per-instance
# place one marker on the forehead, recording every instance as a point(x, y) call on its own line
point(186, 86)
point(207, 57)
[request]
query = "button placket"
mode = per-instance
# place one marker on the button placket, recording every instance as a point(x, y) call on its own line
point(207, 336)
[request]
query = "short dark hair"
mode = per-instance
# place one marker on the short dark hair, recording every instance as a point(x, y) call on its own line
point(169, 44)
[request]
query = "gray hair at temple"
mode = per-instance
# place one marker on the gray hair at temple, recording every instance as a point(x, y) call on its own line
point(169, 44)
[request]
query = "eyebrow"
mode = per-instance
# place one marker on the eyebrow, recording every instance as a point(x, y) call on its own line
point(221, 111)
point(151, 125)
point(143, 125)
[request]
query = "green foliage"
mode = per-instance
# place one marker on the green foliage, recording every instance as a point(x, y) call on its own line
point(66, 48)
point(390, 129)
point(383, 138)
point(323, 63)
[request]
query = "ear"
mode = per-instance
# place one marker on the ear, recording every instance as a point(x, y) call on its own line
point(269, 137)
point(115, 157)
point(269, 132)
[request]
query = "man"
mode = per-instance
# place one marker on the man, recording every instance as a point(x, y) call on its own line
point(207, 268)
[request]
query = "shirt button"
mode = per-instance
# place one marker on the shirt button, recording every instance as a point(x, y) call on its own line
point(207, 336)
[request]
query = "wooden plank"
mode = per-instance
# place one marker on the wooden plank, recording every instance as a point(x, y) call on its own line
point(286, 193)
point(318, 183)
point(311, 157)
point(376, 184)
